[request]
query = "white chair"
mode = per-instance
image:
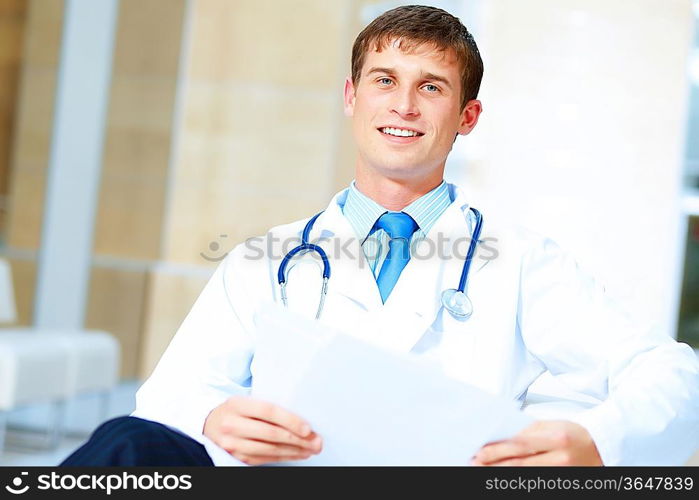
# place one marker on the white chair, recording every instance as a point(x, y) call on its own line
point(32, 370)
point(39, 365)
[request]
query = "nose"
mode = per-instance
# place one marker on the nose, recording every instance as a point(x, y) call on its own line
point(405, 103)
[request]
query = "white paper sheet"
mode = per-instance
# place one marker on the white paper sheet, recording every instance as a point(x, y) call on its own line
point(370, 405)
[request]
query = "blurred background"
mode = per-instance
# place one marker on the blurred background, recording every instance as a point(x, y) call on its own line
point(140, 140)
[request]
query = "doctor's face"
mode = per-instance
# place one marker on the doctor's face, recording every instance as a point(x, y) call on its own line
point(406, 111)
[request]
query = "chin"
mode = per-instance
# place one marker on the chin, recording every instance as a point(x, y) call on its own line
point(404, 172)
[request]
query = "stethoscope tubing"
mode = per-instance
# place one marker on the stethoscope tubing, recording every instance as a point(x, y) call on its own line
point(471, 250)
point(306, 246)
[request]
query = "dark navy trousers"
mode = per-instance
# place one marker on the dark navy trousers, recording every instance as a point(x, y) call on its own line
point(132, 441)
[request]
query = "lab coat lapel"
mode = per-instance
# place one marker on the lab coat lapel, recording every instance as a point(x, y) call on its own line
point(351, 278)
point(416, 298)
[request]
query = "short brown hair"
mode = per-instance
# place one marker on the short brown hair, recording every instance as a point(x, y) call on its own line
point(415, 25)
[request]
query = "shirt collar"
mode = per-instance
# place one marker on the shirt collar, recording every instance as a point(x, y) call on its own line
point(362, 211)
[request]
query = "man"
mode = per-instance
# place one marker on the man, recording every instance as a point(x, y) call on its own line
point(416, 73)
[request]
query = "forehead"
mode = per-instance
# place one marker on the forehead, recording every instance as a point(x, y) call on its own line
point(407, 54)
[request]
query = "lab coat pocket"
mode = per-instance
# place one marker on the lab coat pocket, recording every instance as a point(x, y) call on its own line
point(450, 343)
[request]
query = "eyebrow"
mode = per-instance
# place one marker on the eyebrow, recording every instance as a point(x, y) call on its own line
point(437, 78)
point(426, 76)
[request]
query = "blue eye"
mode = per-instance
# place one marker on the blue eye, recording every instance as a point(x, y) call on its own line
point(431, 88)
point(385, 81)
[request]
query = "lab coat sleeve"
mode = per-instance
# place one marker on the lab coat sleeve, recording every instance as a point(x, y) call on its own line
point(646, 382)
point(208, 359)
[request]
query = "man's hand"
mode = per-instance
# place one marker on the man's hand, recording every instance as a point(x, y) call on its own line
point(256, 432)
point(556, 442)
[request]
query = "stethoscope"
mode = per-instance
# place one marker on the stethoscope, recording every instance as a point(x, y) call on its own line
point(454, 300)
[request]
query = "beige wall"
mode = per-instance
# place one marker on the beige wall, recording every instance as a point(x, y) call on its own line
point(260, 120)
point(12, 21)
point(117, 305)
point(31, 122)
point(171, 293)
point(23, 277)
point(139, 129)
point(136, 161)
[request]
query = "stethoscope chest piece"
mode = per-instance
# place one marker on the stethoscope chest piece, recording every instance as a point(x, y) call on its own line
point(457, 303)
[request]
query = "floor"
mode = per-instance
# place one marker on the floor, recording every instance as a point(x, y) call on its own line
point(25, 441)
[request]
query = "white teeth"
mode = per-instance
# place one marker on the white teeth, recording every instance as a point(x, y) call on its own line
point(399, 132)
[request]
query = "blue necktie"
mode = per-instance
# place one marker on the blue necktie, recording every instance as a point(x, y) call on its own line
point(400, 227)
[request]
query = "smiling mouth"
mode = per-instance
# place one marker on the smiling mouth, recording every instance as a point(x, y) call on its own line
point(400, 132)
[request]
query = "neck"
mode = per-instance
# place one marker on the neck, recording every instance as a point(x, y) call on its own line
point(396, 194)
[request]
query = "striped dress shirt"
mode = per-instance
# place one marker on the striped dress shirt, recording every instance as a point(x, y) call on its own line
point(362, 213)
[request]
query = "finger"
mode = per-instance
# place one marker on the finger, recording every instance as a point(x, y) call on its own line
point(546, 458)
point(557, 458)
point(510, 448)
point(263, 431)
point(261, 460)
point(254, 448)
point(539, 437)
point(262, 410)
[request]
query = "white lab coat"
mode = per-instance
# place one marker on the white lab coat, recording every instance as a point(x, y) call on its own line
point(534, 311)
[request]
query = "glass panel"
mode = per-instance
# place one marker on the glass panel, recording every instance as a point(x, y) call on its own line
point(688, 328)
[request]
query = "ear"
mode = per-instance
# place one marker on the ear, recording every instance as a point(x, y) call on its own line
point(469, 116)
point(349, 96)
